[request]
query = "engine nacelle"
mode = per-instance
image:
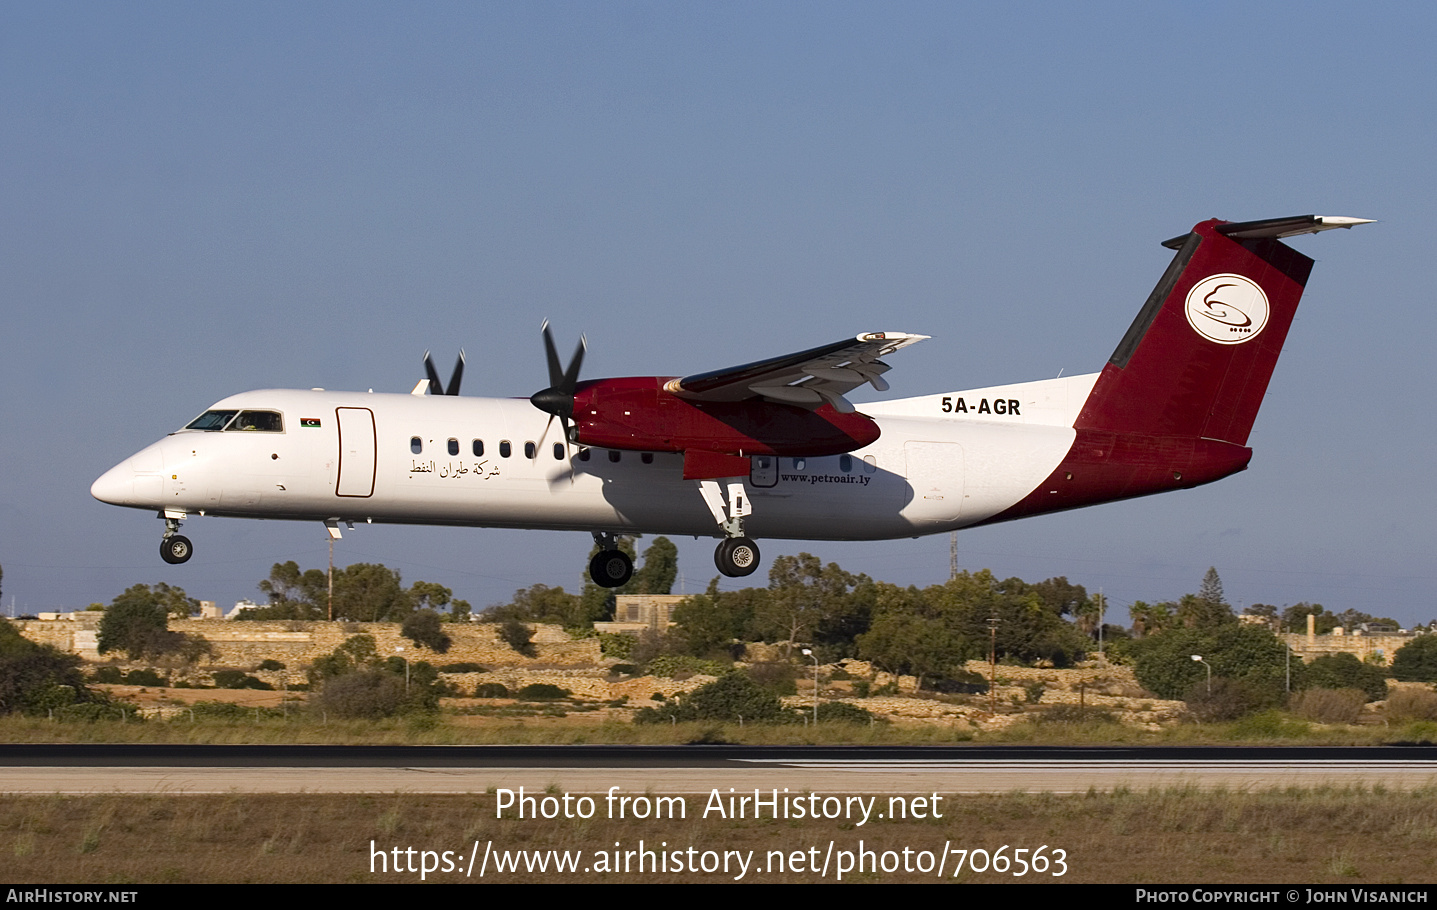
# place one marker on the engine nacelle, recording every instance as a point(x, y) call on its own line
point(636, 413)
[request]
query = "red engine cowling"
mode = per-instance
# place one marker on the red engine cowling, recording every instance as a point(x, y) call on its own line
point(636, 413)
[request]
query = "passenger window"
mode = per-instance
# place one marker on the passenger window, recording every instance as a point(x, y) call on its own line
point(583, 454)
point(530, 450)
point(614, 455)
point(870, 464)
point(799, 463)
point(504, 448)
point(647, 458)
point(558, 451)
point(453, 447)
point(478, 448)
point(845, 463)
point(416, 445)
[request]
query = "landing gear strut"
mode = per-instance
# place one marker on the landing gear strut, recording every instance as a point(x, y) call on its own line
point(737, 555)
point(175, 548)
point(610, 567)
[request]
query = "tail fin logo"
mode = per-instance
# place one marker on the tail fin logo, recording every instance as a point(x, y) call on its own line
point(1227, 309)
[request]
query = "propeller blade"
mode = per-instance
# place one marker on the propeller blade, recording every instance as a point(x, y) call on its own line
point(457, 375)
point(558, 398)
point(435, 386)
point(556, 372)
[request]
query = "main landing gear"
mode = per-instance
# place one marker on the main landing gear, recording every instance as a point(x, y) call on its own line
point(610, 567)
point(737, 555)
point(175, 548)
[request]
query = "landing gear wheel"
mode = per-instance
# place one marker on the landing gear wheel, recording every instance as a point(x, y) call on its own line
point(177, 549)
point(611, 568)
point(737, 557)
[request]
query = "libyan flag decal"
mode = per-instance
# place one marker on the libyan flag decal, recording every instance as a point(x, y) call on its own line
point(309, 421)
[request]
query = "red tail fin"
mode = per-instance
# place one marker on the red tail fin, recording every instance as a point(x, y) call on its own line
point(1175, 403)
point(1197, 360)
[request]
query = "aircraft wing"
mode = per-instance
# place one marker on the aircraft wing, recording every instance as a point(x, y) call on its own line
point(809, 379)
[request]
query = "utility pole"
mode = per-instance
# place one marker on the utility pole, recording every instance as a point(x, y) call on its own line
point(993, 664)
point(331, 578)
point(952, 555)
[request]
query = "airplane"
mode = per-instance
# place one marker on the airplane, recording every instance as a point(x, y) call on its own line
point(770, 449)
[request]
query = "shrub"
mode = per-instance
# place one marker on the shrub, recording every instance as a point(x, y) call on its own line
point(1412, 705)
point(491, 690)
point(1329, 706)
point(365, 693)
point(542, 692)
point(777, 676)
point(731, 697)
point(108, 675)
point(841, 712)
point(238, 679)
point(1345, 671)
point(624, 669)
point(1074, 714)
point(145, 677)
point(1227, 699)
point(270, 665)
point(518, 636)
point(672, 665)
point(425, 627)
point(464, 667)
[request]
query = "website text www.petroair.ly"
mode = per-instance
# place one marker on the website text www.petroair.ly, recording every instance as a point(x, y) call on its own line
point(657, 856)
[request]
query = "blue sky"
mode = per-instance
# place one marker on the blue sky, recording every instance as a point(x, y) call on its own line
point(206, 198)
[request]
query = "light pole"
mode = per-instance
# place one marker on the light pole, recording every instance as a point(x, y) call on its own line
point(1198, 658)
point(399, 649)
point(808, 652)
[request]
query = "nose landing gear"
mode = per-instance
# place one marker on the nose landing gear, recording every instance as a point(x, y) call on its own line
point(175, 548)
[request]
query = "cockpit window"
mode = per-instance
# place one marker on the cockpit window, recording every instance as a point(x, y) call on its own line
point(258, 421)
point(211, 420)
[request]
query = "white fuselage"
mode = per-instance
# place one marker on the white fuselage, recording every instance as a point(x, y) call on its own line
point(942, 462)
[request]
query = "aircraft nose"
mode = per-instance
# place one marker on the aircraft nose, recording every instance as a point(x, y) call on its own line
point(134, 481)
point(116, 486)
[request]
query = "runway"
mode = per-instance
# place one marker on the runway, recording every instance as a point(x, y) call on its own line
point(90, 769)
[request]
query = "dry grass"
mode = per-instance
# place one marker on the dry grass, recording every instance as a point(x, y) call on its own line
point(1292, 836)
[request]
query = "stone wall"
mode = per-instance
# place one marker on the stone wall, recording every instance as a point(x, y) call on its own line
point(243, 645)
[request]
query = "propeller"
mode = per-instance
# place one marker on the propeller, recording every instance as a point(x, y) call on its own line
point(435, 386)
point(558, 399)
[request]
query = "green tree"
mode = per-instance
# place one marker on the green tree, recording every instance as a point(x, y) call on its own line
point(803, 596)
point(293, 594)
point(369, 592)
point(661, 568)
point(541, 603)
point(1150, 619)
point(1246, 654)
point(710, 623)
point(1294, 619)
point(1416, 661)
point(910, 636)
point(1345, 671)
point(137, 622)
point(1211, 589)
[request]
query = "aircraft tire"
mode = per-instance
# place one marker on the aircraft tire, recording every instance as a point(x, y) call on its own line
point(737, 557)
point(611, 568)
point(177, 549)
